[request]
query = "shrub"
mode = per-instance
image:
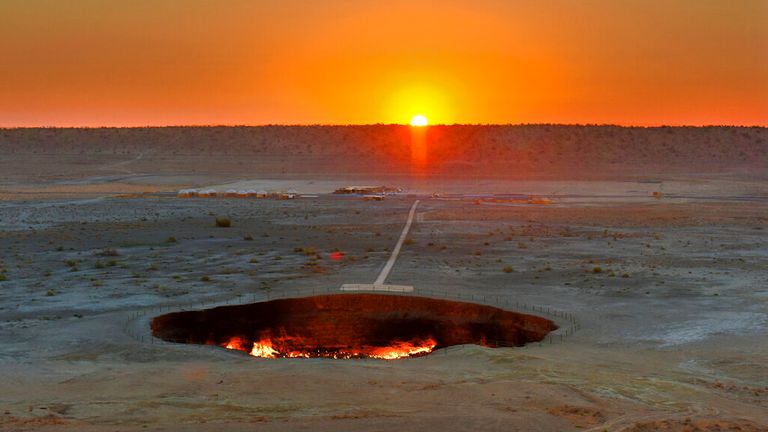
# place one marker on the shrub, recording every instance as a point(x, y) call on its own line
point(408, 241)
point(508, 269)
point(108, 253)
point(99, 264)
point(170, 239)
point(3, 277)
point(248, 237)
point(70, 263)
point(597, 270)
point(625, 275)
point(223, 222)
point(50, 293)
point(205, 279)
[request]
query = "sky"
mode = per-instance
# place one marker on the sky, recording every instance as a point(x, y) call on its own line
point(231, 62)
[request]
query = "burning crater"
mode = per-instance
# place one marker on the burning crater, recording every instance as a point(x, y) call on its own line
point(351, 326)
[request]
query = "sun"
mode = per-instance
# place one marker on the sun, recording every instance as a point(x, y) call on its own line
point(418, 120)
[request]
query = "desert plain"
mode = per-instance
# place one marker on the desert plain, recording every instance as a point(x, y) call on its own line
point(653, 239)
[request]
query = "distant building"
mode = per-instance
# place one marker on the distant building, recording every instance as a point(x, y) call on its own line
point(186, 193)
point(367, 190)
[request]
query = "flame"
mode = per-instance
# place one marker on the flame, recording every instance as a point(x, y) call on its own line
point(266, 348)
point(403, 349)
point(235, 343)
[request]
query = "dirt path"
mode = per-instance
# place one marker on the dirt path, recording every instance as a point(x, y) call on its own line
point(396, 251)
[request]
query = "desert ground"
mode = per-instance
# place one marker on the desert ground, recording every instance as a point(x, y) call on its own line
point(662, 265)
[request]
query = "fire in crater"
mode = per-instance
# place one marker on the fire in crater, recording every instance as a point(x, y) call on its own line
point(347, 326)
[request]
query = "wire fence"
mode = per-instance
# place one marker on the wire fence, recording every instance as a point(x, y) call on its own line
point(137, 325)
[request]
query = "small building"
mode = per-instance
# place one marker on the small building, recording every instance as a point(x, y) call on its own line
point(262, 194)
point(374, 197)
point(230, 193)
point(367, 190)
point(207, 193)
point(186, 193)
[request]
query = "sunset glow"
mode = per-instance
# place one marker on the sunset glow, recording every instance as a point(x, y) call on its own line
point(89, 63)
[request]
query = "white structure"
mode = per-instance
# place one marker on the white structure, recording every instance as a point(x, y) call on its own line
point(186, 193)
point(230, 193)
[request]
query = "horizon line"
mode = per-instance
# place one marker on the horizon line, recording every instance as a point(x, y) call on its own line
point(213, 125)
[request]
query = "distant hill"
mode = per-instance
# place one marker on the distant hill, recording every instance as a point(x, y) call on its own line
point(530, 151)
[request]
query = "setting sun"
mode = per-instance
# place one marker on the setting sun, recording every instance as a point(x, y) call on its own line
point(418, 120)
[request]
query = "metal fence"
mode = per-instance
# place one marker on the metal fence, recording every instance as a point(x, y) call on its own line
point(136, 323)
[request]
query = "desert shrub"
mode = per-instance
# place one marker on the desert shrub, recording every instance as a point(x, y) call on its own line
point(508, 269)
point(50, 293)
point(278, 258)
point(253, 261)
point(152, 267)
point(108, 253)
point(223, 222)
point(70, 263)
point(170, 239)
point(625, 275)
point(205, 279)
point(111, 263)
point(597, 270)
point(3, 277)
point(408, 241)
point(248, 237)
point(59, 248)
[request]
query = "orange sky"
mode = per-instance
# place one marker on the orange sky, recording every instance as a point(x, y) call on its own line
point(141, 62)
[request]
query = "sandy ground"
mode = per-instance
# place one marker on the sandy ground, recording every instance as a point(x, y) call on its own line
point(670, 295)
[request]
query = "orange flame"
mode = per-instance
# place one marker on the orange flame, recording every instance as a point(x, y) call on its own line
point(235, 343)
point(265, 348)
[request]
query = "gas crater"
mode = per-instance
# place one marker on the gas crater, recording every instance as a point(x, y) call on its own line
point(351, 326)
